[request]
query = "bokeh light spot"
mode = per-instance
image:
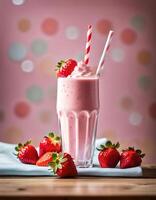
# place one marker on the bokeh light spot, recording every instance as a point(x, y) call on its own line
point(138, 22)
point(49, 26)
point(144, 82)
point(24, 25)
point(27, 66)
point(34, 93)
point(72, 32)
point(18, 2)
point(152, 110)
point(135, 118)
point(45, 116)
point(17, 51)
point(39, 47)
point(46, 66)
point(22, 109)
point(117, 55)
point(144, 57)
point(126, 103)
point(103, 26)
point(128, 36)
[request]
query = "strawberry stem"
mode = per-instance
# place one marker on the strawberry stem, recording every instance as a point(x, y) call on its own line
point(57, 160)
point(108, 144)
point(51, 134)
point(54, 156)
point(138, 151)
point(117, 145)
point(99, 149)
point(57, 138)
point(28, 142)
point(142, 155)
point(60, 65)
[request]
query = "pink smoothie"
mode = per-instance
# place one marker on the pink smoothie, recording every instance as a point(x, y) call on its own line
point(77, 108)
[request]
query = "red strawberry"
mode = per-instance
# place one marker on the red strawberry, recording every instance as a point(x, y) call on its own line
point(63, 165)
point(27, 153)
point(65, 68)
point(50, 143)
point(131, 158)
point(45, 159)
point(109, 155)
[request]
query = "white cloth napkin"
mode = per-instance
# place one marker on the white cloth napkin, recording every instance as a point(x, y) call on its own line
point(10, 165)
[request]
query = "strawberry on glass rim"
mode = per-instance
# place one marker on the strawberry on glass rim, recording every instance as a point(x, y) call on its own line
point(65, 67)
point(50, 143)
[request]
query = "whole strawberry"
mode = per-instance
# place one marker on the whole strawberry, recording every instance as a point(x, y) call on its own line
point(131, 158)
point(45, 159)
point(109, 155)
point(65, 68)
point(63, 165)
point(27, 153)
point(50, 143)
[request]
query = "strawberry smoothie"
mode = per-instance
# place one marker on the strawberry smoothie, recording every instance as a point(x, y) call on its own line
point(77, 108)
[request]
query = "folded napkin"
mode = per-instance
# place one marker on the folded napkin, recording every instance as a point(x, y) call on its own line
point(10, 165)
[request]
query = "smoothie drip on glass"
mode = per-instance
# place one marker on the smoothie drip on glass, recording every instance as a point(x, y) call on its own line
point(77, 108)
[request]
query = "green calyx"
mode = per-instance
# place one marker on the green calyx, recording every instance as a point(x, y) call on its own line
point(57, 161)
point(55, 138)
point(20, 146)
point(59, 65)
point(138, 151)
point(108, 144)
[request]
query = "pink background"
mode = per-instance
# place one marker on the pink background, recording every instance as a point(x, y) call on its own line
point(45, 31)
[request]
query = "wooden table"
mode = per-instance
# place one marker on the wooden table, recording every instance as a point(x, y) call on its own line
point(40, 188)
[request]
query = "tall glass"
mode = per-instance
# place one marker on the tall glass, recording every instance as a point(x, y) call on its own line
point(77, 109)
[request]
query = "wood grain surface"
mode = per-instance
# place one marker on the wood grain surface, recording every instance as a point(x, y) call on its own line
point(80, 188)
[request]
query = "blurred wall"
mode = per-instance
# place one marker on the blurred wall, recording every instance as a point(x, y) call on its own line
point(35, 34)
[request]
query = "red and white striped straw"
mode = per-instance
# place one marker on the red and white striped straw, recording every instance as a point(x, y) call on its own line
point(88, 44)
point(105, 50)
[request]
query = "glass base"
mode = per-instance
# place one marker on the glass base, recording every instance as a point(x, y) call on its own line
point(83, 164)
